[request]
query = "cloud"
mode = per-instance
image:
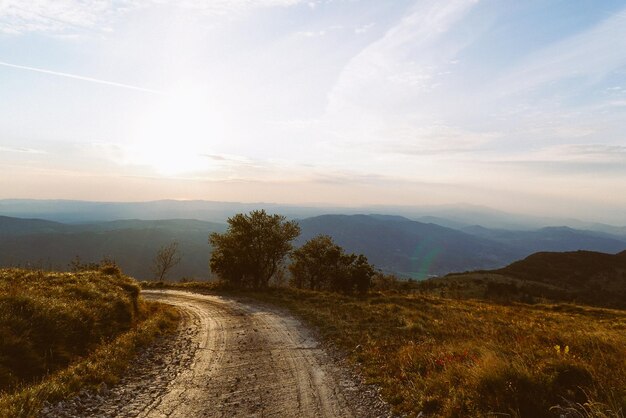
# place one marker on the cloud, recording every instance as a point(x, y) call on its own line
point(22, 150)
point(223, 7)
point(571, 159)
point(61, 16)
point(55, 16)
point(433, 140)
point(382, 95)
point(402, 62)
point(364, 28)
point(593, 153)
point(588, 56)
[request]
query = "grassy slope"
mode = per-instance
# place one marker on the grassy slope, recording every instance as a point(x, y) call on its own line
point(580, 276)
point(463, 358)
point(459, 358)
point(61, 331)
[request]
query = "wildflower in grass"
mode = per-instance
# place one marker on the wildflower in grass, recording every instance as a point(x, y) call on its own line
point(565, 351)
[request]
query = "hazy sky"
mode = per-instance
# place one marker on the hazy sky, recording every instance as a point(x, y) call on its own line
point(518, 105)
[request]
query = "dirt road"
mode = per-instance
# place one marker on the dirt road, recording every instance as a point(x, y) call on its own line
point(232, 359)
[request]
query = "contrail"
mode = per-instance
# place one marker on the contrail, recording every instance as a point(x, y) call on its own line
point(78, 77)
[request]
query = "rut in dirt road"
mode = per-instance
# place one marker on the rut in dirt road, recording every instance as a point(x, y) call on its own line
point(232, 359)
point(249, 362)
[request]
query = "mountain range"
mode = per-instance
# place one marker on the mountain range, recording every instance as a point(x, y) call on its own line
point(393, 244)
point(451, 216)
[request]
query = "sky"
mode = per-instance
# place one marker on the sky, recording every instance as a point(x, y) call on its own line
point(519, 106)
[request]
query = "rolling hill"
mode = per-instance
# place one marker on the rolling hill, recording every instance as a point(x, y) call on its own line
point(406, 247)
point(559, 238)
point(392, 243)
point(578, 276)
point(131, 243)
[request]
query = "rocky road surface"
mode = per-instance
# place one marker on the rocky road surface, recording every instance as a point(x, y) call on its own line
point(230, 359)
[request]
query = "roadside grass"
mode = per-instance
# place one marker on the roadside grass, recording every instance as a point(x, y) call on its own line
point(466, 358)
point(62, 332)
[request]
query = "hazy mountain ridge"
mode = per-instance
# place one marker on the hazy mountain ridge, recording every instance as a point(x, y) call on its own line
point(18, 226)
point(132, 243)
point(554, 238)
point(407, 247)
point(392, 243)
point(457, 216)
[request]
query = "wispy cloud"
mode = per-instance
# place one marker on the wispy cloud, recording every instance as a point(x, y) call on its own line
point(588, 57)
point(579, 160)
point(400, 65)
point(591, 153)
point(223, 7)
point(434, 140)
point(79, 77)
point(22, 150)
point(61, 16)
point(55, 16)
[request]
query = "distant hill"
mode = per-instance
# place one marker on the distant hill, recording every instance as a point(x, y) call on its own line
point(456, 216)
point(550, 239)
point(577, 276)
point(16, 226)
point(392, 243)
point(76, 211)
point(408, 247)
point(132, 243)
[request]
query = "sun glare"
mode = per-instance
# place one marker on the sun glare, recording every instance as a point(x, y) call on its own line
point(176, 134)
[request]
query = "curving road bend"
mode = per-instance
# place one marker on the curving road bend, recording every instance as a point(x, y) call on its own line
point(229, 359)
point(248, 361)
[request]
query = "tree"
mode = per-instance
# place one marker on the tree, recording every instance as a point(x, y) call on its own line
point(315, 262)
point(320, 264)
point(167, 257)
point(252, 249)
point(361, 273)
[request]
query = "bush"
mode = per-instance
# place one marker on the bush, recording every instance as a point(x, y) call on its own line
point(320, 264)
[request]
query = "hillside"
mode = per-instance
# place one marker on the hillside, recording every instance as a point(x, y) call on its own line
point(131, 243)
point(60, 332)
point(580, 276)
point(17, 226)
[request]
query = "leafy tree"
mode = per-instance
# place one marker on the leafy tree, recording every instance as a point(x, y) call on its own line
point(320, 264)
point(166, 259)
point(361, 273)
point(315, 262)
point(253, 248)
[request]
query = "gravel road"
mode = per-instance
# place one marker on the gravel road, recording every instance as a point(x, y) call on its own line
point(230, 359)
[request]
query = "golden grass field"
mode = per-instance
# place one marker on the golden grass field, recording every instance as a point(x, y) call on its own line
point(464, 358)
point(467, 358)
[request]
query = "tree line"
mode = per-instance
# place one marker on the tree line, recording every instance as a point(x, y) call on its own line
point(255, 247)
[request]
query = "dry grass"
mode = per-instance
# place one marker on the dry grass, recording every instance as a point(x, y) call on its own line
point(460, 358)
point(65, 331)
point(464, 358)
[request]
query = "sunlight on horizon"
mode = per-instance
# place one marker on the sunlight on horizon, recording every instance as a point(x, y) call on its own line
point(411, 102)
